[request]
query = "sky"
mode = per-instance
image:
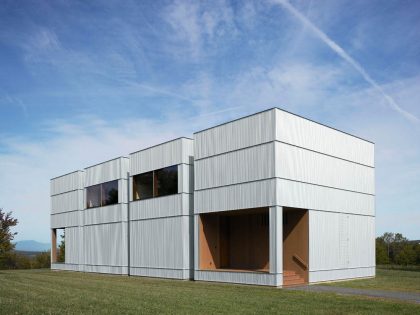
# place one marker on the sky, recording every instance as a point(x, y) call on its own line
point(84, 81)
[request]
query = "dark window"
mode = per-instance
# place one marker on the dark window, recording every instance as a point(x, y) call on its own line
point(102, 195)
point(143, 186)
point(166, 181)
point(93, 196)
point(157, 183)
point(110, 193)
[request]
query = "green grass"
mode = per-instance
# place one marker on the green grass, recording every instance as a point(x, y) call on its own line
point(387, 279)
point(49, 292)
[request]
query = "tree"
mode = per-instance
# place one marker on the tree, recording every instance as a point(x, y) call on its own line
point(388, 239)
point(381, 252)
point(61, 255)
point(6, 235)
point(42, 260)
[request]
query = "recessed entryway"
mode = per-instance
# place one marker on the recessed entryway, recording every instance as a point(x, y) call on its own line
point(235, 240)
point(295, 246)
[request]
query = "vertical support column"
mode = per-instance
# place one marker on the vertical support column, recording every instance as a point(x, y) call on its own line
point(53, 246)
point(276, 243)
point(196, 242)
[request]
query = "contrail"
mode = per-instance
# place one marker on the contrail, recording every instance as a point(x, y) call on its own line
point(340, 51)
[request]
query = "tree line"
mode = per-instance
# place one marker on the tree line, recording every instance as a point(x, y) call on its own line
point(9, 258)
point(395, 249)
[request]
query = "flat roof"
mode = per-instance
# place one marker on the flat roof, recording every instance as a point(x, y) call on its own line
point(283, 110)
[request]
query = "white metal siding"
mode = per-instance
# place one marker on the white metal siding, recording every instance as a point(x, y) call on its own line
point(276, 240)
point(107, 171)
point(308, 196)
point(68, 201)
point(185, 178)
point(234, 197)
point(250, 164)
point(239, 277)
point(160, 243)
point(307, 134)
point(167, 154)
point(173, 205)
point(106, 244)
point(74, 245)
point(341, 274)
point(242, 133)
point(311, 167)
point(107, 214)
point(340, 241)
point(65, 219)
point(65, 183)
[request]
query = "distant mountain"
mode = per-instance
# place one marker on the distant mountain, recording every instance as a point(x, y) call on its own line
point(32, 246)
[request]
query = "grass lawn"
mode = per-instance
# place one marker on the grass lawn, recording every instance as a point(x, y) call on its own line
point(386, 279)
point(58, 292)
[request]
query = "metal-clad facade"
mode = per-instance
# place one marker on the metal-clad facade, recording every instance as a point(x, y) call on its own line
point(106, 228)
point(162, 242)
point(235, 197)
point(161, 227)
point(308, 196)
point(105, 245)
point(170, 153)
point(307, 166)
point(341, 243)
point(234, 167)
point(107, 171)
point(304, 133)
point(66, 183)
point(67, 201)
point(235, 135)
point(272, 159)
point(168, 206)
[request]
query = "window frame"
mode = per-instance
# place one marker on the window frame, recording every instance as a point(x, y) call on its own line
point(155, 188)
point(101, 195)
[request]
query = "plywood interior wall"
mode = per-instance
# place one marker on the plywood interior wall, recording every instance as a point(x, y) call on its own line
point(53, 245)
point(235, 240)
point(296, 240)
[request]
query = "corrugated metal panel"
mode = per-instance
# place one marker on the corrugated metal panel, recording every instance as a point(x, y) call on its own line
point(159, 243)
point(106, 269)
point(276, 239)
point(122, 191)
point(161, 273)
point(340, 274)
point(107, 214)
point(68, 201)
point(106, 244)
point(307, 134)
point(167, 154)
point(235, 135)
point(74, 242)
point(107, 171)
point(196, 241)
point(67, 267)
point(245, 165)
point(66, 219)
point(240, 196)
point(172, 205)
point(311, 167)
point(239, 277)
point(308, 196)
point(69, 182)
point(340, 241)
point(185, 178)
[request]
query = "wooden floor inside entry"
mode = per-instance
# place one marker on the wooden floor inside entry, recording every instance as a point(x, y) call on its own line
point(295, 246)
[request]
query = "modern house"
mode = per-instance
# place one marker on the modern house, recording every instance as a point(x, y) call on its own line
point(269, 199)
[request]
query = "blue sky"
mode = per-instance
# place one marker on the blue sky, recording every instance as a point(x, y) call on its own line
point(82, 82)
